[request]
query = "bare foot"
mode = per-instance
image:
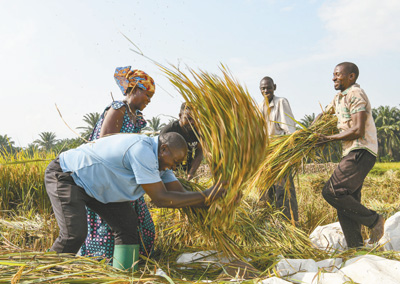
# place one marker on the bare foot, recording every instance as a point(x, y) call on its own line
point(378, 230)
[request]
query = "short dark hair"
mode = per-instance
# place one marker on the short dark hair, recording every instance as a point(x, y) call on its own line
point(267, 78)
point(350, 67)
point(173, 140)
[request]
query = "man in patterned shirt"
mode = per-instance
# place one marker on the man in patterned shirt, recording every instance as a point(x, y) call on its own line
point(359, 139)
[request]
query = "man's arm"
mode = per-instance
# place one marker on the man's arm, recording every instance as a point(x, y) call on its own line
point(198, 157)
point(354, 132)
point(174, 196)
point(175, 186)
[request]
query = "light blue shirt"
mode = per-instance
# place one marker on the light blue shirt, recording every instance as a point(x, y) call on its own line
point(112, 169)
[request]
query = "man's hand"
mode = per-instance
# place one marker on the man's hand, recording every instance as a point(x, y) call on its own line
point(323, 138)
point(215, 192)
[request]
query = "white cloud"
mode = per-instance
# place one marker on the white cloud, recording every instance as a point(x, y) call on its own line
point(362, 27)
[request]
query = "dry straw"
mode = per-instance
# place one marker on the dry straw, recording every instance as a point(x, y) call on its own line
point(259, 233)
point(36, 267)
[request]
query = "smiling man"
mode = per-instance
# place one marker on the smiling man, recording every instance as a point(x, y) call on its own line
point(279, 116)
point(359, 139)
point(106, 174)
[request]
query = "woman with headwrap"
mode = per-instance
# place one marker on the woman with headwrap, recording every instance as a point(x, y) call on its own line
point(122, 117)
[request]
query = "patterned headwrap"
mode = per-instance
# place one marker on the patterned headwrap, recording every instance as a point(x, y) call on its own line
point(125, 77)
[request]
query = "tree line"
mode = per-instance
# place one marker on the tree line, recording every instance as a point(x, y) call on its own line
point(387, 121)
point(48, 141)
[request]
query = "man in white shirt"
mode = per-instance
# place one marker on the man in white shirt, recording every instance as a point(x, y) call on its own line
point(280, 119)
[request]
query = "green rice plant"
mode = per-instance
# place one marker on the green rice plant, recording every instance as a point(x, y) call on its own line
point(381, 168)
point(22, 181)
point(388, 166)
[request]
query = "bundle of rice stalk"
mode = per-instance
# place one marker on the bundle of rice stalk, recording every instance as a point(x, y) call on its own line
point(259, 234)
point(233, 134)
point(285, 153)
point(185, 229)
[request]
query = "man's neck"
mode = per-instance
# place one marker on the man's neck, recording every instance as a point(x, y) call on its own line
point(348, 87)
point(269, 100)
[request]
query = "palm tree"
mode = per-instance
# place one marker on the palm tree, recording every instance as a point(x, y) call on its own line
point(31, 149)
point(47, 141)
point(91, 120)
point(67, 143)
point(171, 120)
point(307, 120)
point(154, 125)
point(6, 144)
point(387, 122)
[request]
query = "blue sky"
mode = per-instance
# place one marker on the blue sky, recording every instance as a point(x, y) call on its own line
point(65, 53)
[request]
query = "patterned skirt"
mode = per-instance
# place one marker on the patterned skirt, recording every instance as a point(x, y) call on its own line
point(100, 239)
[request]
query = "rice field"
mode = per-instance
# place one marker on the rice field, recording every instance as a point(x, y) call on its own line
point(259, 234)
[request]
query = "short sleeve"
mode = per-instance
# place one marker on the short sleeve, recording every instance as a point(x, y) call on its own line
point(356, 101)
point(144, 163)
point(168, 176)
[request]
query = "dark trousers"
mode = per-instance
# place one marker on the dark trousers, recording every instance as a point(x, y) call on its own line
point(343, 192)
point(69, 200)
point(283, 195)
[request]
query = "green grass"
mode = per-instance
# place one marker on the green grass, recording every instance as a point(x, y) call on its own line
point(381, 168)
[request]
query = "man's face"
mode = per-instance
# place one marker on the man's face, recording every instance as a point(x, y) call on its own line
point(267, 89)
point(170, 159)
point(342, 79)
point(186, 120)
